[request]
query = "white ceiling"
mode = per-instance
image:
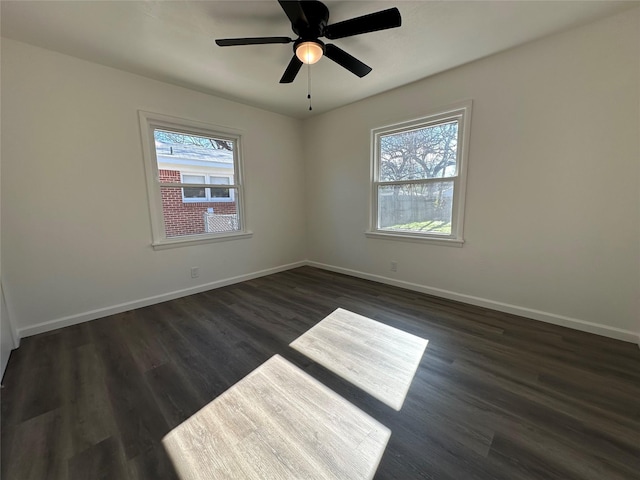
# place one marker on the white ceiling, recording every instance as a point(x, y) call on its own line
point(173, 41)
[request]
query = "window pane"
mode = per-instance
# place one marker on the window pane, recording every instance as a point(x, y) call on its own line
point(219, 193)
point(194, 192)
point(193, 179)
point(417, 208)
point(428, 152)
point(181, 219)
point(183, 149)
point(219, 180)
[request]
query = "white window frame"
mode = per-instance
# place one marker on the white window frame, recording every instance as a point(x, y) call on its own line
point(460, 112)
point(149, 122)
point(208, 198)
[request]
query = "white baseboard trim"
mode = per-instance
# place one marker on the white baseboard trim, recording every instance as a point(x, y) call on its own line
point(574, 323)
point(145, 302)
point(582, 325)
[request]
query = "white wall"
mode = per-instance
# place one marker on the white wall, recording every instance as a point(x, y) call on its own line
point(7, 332)
point(8, 335)
point(76, 231)
point(552, 210)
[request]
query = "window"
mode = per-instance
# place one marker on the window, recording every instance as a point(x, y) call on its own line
point(418, 181)
point(182, 160)
point(202, 194)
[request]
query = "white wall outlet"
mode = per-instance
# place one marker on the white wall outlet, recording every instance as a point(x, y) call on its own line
point(195, 272)
point(394, 266)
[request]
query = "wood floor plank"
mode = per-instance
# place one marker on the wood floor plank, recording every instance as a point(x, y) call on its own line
point(88, 414)
point(174, 394)
point(38, 448)
point(44, 376)
point(519, 445)
point(140, 422)
point(104, 460)
point(495, 396)
point(154, 464)
point(137, 330)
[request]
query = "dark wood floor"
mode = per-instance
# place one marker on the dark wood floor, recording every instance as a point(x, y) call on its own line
point(495, 397)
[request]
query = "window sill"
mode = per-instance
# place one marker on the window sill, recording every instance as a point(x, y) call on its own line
point(407, 237)
point(199, 240)
point(205, 201)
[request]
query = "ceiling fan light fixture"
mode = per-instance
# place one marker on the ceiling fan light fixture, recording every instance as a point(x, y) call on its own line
point(309, 52)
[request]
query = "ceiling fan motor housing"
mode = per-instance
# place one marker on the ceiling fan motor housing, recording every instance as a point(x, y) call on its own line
point(317, 18)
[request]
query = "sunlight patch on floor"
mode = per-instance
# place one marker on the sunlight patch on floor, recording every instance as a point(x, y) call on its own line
point(379, 359)
point(277, 422)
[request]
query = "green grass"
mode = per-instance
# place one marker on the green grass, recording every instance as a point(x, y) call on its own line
point(432, 226)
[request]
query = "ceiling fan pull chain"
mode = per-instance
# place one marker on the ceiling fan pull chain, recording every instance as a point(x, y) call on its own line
point(309, 85)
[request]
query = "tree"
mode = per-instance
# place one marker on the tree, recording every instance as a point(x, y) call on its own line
point(425, 153)
point(182, 139)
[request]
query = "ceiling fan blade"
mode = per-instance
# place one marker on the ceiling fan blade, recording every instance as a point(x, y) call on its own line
point(347, 61)
point(372, 22)
point(294, 11)
point(230, 42)
point(292, 70)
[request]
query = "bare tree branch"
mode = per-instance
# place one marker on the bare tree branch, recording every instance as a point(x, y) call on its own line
point(195, 140)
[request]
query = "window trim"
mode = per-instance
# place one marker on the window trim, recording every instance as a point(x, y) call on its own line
point(460, 111)
point(207, 185)
point(149, 121)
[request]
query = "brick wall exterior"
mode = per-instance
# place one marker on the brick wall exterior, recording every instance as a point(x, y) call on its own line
point(186, 218)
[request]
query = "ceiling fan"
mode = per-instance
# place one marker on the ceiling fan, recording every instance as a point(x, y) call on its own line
point(309, 21)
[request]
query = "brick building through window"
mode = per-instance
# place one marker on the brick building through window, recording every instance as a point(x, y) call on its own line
point(187, 218)
point(199, 209)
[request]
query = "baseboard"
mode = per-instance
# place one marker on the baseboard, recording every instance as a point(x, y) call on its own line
point(145, 302)
point(576, 324)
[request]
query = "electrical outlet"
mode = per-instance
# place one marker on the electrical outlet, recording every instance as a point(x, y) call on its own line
point(195, 272)
point(394, 266)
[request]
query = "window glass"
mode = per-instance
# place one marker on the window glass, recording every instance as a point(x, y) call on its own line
point(428, 152)
point(416, 207)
